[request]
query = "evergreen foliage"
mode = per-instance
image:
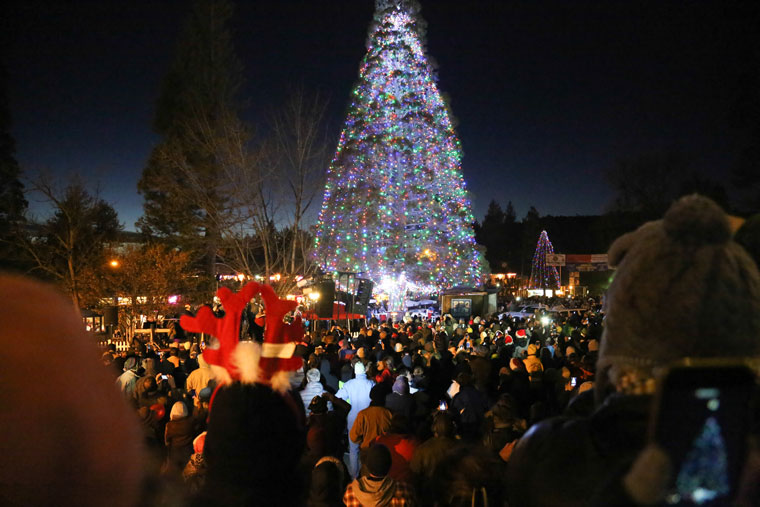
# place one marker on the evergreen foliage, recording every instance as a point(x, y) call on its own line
point(395, 205)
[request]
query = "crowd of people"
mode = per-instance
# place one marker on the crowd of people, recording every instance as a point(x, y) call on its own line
point(482, 411)
point(417, 388)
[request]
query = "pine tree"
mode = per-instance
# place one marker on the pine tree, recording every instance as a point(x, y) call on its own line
point(540, 273)
point(492, 234)
point(395, 205)
point(12, 202)
point(197, 117)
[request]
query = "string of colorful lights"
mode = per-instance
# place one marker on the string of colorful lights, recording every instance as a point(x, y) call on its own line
point(540, 273)
point(395, 206)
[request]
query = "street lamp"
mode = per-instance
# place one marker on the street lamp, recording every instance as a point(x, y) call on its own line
point(114, 263)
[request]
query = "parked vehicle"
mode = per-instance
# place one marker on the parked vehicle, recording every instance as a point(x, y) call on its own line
point(524, 312)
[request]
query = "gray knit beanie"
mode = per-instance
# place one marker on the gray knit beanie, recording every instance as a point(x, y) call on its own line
point(683, 288)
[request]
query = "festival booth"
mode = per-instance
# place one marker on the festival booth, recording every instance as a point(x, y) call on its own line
point(463, 303)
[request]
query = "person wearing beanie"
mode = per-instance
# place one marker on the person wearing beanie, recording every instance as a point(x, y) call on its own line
point(376, 487)
point(67, 433)
point(178, 438)
point(400, 401)
point(521, 344)
point(253, 446)
point(312, 388)
point(194, 473)
point(686, 262)
point(356, 392)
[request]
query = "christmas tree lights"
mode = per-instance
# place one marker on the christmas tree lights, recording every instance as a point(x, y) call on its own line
point(704, 474)
point(395, 206)
point(540, 273)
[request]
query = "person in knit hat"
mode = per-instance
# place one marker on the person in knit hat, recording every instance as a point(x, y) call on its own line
point(400, 401)
point(194, 473)
point(254, 442)
point(69, 439)
point(688, 263)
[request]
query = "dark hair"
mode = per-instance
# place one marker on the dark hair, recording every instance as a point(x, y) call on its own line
point(443, 425)
point(327, 485)
point(469, 477)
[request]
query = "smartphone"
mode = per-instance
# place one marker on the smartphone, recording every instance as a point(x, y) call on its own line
point(442, 405)
point(702, 419)
point(165, 377)
point(574, 381)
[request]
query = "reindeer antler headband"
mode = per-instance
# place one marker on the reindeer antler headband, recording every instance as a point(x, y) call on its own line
point(279, 338)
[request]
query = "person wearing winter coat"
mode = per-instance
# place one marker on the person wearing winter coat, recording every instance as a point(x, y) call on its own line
point(371, 422)
point(356, 392)
point(178, 437)
point(376, 487)
point(200, 377)
point(312, 389)
point(194, 473)
point(127, 381)
point(470, 406)
point(399, 401)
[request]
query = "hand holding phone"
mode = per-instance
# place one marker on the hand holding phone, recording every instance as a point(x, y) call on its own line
point(702, 420)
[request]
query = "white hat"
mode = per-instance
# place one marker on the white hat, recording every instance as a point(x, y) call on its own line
point(359, 368)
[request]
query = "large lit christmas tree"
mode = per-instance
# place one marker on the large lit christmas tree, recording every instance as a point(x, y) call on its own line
point(540, 274)
point(395, 206)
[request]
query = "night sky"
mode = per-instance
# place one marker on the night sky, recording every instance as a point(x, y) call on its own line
point(547, 95)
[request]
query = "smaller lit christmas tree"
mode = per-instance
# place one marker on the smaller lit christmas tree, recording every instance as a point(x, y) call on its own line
point(540, 273)
point(704, 474)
